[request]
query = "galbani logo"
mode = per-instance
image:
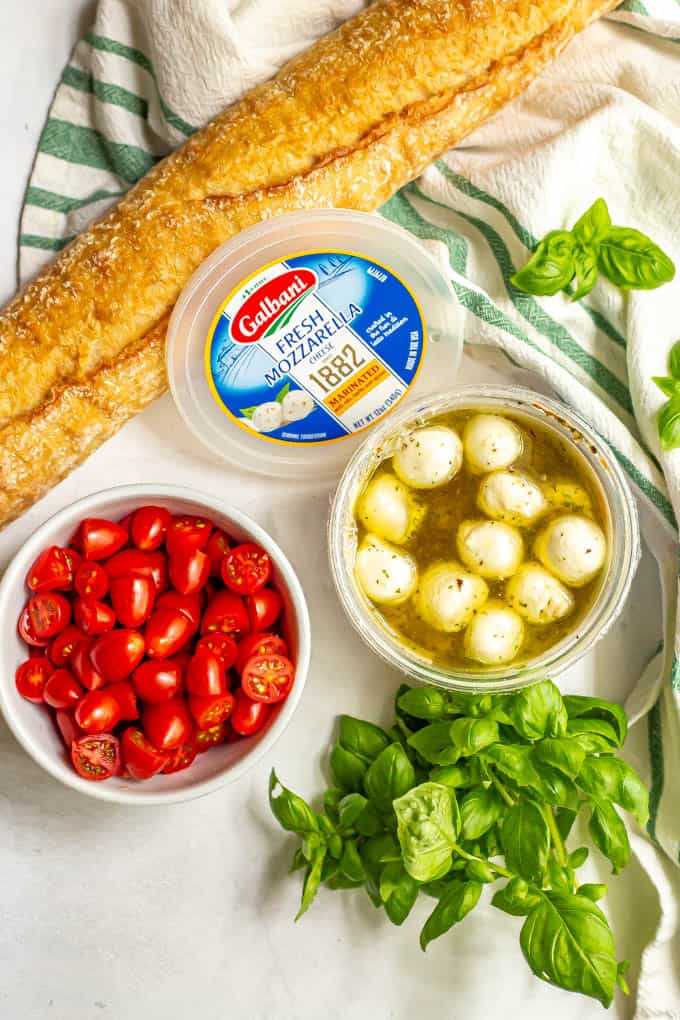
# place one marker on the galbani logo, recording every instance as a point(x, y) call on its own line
point(271, 306)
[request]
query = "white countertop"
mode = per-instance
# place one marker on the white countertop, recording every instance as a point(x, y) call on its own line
point(187, 911)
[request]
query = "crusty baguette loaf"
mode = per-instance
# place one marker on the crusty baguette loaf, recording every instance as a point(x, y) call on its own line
point(345, 124)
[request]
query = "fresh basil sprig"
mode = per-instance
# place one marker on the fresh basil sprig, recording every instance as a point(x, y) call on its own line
point(669, 416)
point(468, 790)
point(627, 257)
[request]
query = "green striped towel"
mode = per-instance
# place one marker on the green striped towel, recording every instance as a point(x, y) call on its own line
point(604, 120)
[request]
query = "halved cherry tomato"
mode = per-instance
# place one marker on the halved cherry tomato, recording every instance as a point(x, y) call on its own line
point(259, 644)
point(93, 617)
point(268, 678)
point(117, 654)
point(216, 549)
point(81, 664)
point(211, 711)
point(123, 692)
point(31, 678)
point(246, 569)
point(64, 644)
point(48, 614)
point(226, 614)
point(222, 646)
point(62, 690)
point(248, 716)
point(205, 739)
point(166, 632)
point(100, 539)
point(67, 726)
point(205, 674)
point(52, 570)
point(264, 608)
point(91, 580)
point(142, 760)
point(187, 532)
point(157, 680)
point(182, 758)
point(97, 712)
point(190, 605)
point(189, 570)
point(26, 632)
point(148, 527)
point(144, 564)
point(96, 757)
point(132, 598)
point(168, 724)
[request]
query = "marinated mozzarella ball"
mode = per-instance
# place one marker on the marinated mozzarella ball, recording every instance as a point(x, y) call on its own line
point(538, 596)
point(296, 405)
point(494, 636)
point(267, 417)
point(448, 596)
point(386, 574)
point(388, 509)
point(567, 496)
point(511, 497)
point(490, 443)
point(490, 548)
point(429, 457)
point(573, 547)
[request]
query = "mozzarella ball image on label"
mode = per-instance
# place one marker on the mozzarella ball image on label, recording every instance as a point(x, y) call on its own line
point(573, 548)
point(490, 548)
point(538, 596)
point(511, 497)
point(267, 417)
point(429, 457)
point(567, 496)
point(490, 443)
point(387, 574)
point(495, 635)
point(448, 596)
point(296, 405)
point(387, 508)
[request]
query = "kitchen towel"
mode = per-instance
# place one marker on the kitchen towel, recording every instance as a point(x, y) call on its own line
point(604, 120)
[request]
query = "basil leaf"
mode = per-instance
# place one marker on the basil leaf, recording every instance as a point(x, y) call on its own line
point(514, 761)
point(585, 266)
point(566, 940)
point(669, 424)
point(331, 799)
point(560, 753)
point(670, 387)
point(472, 735)
point(593, 890)
point(311, 844)
point(594, 224)
point(622, 969)
point(427, 825)
point(340, 881)
point(390, 776)
point(297, 862)
point(369, 822)
point(311, 883)
point(613, 779)
point(291, 812)
point(581, 707)
point(282, 392)
point(351, 864)
point(550, 268)
point(422, 702)
point(348, 770)
point(479, 810)
point(480, 871)
point(609, 834)
point(433, 743)
point(454, 905)
point(398, 892)
point(525, 839)
point(454, 775)
point(674, 361)
point(349, 809)
point(362, 738)
point(555, 788)
point(602, 732)
point(564, 820)
point(631, 260)
point(516, 898)
point(538, 711)
point(578, 857)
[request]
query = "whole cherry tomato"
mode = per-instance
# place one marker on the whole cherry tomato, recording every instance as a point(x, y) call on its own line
point(211, 711)
point(166, 632)
point(123, 693)
point(48, 614)
point(64, 644)
point(189, 570)
point(142, 760)
point(97, 712)
point(205, 739)
point(182, 758)
point(189, 605)
point(96, 757)
point(222, 646)
point(93, 617)
point(67, 726)
point(246, 569)
point(91, 580)
point(26, 631)
point(259, 644)
point(81, 664)
point(187, 532)
point(144, 564)
point(100, 539)
point(264, 608)
point(117, 654)
point(167, 725)
point(216, 549)
point(31, 678)
point(248, 716)
point(62, 690)
point(268, 678)
point(132, 598)
point(226, 614)
point(157, 680)
point(205, 674)
point(148, 527)
point(52, 570)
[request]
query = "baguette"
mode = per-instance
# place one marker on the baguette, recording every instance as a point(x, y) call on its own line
point(345, 124)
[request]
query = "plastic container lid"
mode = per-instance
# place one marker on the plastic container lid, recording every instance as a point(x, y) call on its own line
point(299, 335)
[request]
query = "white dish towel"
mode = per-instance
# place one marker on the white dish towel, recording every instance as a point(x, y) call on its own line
point(603, 121)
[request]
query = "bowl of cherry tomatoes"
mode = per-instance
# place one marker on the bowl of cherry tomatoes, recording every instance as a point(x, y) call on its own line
point(157, 643)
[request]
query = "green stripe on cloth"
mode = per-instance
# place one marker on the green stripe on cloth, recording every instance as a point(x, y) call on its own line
point(88, 147)
point(105, 92)
point(648, 488)
point(655, 745)
point(45, 243)
point(400, 211)
point(634, 6)
point(44, 199)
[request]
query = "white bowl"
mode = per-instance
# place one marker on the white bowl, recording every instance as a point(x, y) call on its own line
point(32, 724)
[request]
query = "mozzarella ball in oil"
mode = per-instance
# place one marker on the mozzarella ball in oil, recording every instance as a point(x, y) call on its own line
point(511, 497)
point(387, 574)
point(428, 457)
point(572, 547)
point(490, 443)
point(495, 635)
point(490, 548)
point(448, 596)
point(539, 597)
point(387, 508)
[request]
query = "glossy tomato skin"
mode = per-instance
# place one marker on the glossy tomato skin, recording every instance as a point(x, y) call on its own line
point(93, 617)
point(246, 569)
point(259, 644)
point(189, 570)
point(99, 538)
point(117, 654)
point(67, 726)
point(142, 760)
point(132, 598)
point(64, 644)
point(222, 646)
point(205, 674)
point(166, 632)
point(97, 712)
point(187, 532)
point(52, 570)
point(205, 739)
point(167, 725)
point(248, 716)
point(157, 680)
point(216, 549)
point(81, 664)
point(91, 580)
point(62, 690)
point(31, 678)
point(268, 678)
point(211, 711)
point(48, 614)
point(264, 608)
point(181, 758)
point(26, 631)
point(96, 757)
point(148, 527)
point(123, 693)
point(189, 605)
point(144, 564)
point(226, 614)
